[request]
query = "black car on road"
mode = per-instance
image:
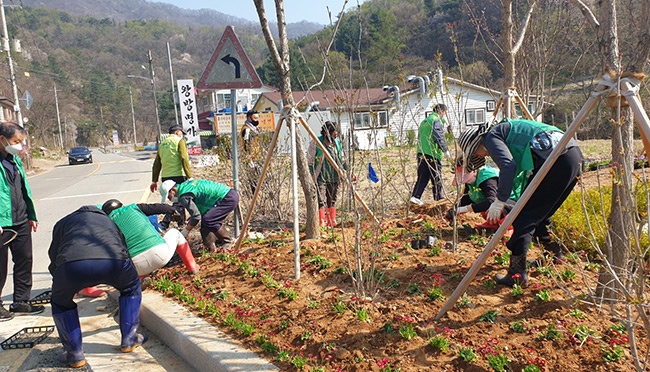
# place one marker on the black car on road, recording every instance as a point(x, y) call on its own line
point(80, 154)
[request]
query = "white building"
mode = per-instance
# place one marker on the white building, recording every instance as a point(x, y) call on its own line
point(379, 117)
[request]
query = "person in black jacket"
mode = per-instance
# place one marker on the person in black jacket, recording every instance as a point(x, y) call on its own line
point(88, 249)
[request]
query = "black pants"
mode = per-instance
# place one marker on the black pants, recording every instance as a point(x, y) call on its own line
point(21, 254)
point(429, 169)
point(167, 219)
point(547, 198)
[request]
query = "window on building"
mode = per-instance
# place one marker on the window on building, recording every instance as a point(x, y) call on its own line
point(491, 105)
point(366, 120)
point(474, 116)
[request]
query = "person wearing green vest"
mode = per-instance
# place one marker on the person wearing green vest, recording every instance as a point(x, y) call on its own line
point(17, 215)
point(431, 148)
point(172, 163)
point(207, 202)
point(479, 191)
point(148, 250)
point(516, 146)
point(325, 177)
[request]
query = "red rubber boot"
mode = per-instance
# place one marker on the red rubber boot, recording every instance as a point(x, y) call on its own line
point(185, 253)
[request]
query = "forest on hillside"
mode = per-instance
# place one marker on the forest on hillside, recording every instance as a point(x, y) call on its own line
point(376, 44)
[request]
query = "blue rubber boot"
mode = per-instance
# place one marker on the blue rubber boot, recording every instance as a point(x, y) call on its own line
point(129, 323)
point(67, 324)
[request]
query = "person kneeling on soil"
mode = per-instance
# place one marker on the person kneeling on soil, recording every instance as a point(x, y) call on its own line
point(88, 249)
point(209, 203)
point(148, 250)
point(517, 146)
point(479, 192)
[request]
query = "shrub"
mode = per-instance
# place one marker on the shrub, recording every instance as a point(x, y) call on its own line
point(571, 225)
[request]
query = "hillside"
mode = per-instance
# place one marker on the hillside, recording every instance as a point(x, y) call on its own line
point(125, 10)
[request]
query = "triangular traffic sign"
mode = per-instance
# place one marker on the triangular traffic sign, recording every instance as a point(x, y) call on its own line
point(229, 67)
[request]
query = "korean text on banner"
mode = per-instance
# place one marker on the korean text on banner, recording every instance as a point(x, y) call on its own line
point(189, 116)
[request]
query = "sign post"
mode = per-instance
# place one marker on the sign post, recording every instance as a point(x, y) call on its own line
point(230, 68)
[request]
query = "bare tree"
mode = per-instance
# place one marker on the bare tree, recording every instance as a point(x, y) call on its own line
point(280, 58)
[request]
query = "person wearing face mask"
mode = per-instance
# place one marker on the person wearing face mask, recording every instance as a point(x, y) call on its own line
point(207, 202)
point(479, 191)
point(250, 129)
point(172, 163)
point(18, 214)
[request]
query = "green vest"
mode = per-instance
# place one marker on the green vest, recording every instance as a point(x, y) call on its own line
point(172, 164)
point(5, 195)
point(139, 233)
point(485, 173)
point(327, 173)
point(474, 190)
point(427, 144)
point(206, 193)
point(518, 141)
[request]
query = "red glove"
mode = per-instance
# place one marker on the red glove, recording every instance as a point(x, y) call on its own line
point(153, 187)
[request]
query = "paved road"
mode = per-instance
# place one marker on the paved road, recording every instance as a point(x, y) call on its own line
point(57, 193)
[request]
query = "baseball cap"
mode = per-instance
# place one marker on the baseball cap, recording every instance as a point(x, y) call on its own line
point(164, 189)
point(174, 128)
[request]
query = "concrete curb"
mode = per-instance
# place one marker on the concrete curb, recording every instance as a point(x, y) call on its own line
point(199, 343)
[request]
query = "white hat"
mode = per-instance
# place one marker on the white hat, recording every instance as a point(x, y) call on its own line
point(164, 189)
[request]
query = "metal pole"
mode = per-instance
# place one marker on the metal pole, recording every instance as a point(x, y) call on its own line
point(235, 151)
point(171, 75)
point(5, 44)
point(58, 116)
point(155, 100)
point(135, 140)
point(294, 188)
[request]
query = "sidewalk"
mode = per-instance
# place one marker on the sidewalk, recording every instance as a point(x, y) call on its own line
point(197, 345)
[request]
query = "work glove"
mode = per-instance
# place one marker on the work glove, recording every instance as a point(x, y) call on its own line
point(185, 232)
point(153, 187)
point(494, 213)
point(464, 209)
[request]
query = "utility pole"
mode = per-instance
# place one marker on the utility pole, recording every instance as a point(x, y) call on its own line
point(171, 75)
point(5, 45)
point(155, 100)
point(58, 115)
point(135, 140)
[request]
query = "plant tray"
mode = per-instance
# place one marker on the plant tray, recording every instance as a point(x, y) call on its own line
point(43, 298)
point(27, 337)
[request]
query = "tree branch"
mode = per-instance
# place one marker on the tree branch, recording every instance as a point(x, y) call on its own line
point(589, 15)
point(524, 26)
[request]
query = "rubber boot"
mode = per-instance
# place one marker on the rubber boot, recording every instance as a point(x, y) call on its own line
point(129, 323)
point(67, 324)
point(322, 217)
point(517, 273)
point(92, 292)
point(185, 253)
point(224, 239)
point(332, 217)
point(554, 249)
point(210, 241)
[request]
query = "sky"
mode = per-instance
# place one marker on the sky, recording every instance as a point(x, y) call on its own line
point(295, 10)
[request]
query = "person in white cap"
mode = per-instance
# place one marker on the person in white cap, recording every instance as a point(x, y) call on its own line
point(172, 163)
point(517, 146)
point(207, 202)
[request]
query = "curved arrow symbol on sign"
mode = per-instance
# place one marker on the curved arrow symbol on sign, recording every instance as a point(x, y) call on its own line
point(228, 59)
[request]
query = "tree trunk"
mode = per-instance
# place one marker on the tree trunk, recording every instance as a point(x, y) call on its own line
point(508, 52)
point(281, 62)
point(621, 218)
